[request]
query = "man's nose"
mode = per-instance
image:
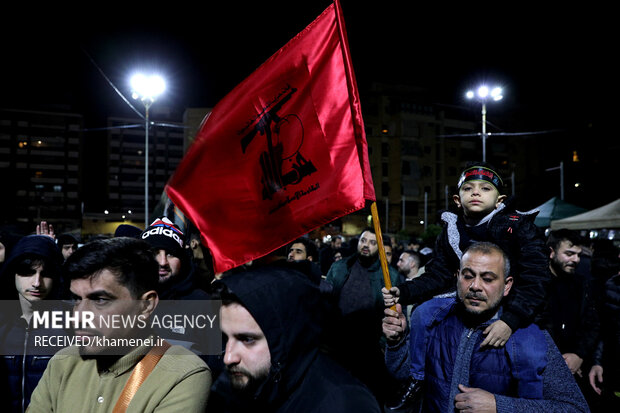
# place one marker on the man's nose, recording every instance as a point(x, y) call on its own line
point(36, 279)
point(162, 258)
point(231, 356)
point(475, 284)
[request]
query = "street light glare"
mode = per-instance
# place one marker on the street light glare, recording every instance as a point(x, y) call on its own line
point(496, 93)
point(469, 94)
point(483, 92)
point(147, 87)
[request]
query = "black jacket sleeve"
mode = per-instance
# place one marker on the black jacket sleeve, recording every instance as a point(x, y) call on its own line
point(531, 274)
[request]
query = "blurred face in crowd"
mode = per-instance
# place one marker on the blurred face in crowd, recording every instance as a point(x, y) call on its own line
point(388, 252)
point(297, 252)
point(68, 249)
point(247, 357)
point(32, 282)
point(2, 252)
point(566, 258)
point(169, 265)
point(481, 282)
point(406, 265)
point(337, 243)
point(367, 245)
point(478, 198)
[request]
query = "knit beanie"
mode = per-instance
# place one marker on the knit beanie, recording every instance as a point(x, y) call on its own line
point(164, 234)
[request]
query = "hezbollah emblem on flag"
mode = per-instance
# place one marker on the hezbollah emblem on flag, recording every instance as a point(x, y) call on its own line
point(282, 162)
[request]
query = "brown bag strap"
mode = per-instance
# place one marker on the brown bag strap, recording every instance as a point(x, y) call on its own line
point(139, 374)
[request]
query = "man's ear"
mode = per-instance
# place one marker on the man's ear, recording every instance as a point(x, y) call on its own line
point(507, 285)
point(150, 299)
point(309, 258)
point(457, 200)
point(193, 244)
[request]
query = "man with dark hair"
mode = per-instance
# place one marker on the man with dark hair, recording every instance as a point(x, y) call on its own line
point(127, 366)
point(302, 249)
point(570, 312)
point(271, 320)
point(30, 277)
point(408, 265)
point(527, 375)
point(355, 336)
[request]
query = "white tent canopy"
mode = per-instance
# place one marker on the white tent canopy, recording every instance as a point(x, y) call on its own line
point(607, 216)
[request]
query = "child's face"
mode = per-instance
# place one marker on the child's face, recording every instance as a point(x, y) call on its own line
point(478, 198)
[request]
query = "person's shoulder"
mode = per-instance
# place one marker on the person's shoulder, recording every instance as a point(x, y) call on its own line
point(338, 387)
point(181, 360)
point(66, 359)
point(66, 352)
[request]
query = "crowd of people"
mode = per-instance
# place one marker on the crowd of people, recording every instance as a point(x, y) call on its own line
point(492, 316)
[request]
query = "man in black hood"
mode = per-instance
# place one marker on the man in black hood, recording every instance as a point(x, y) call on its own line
point(272, 320)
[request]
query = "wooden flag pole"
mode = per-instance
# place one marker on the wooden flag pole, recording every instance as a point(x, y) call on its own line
point(384, 264)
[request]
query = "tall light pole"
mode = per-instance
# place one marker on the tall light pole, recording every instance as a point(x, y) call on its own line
point(146, 88)
point(482, 95)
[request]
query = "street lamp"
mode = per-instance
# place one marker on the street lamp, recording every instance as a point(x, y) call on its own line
point(484, 94)
point(147, 88)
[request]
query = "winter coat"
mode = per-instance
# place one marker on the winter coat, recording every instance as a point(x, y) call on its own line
point(515, 233)
point(340, 271)
point(287, 307)
point(528, 374)
point(23, 358)
point(571, 315)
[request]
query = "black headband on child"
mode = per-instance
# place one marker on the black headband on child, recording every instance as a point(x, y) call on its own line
point(480, 173)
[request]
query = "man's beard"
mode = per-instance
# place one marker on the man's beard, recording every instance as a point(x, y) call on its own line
point(561, 269)
point(249, 382)
point(473, 318)
point(368, 260)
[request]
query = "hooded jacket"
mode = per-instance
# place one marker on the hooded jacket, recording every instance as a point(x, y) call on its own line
point(22, 363)
point(516, 234)
point(287, 307)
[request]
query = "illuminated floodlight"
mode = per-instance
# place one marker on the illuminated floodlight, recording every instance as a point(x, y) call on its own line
point(147, 87)
point(483, 93)
point(496, 93)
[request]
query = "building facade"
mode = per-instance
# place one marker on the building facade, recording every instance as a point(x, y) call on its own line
point(41, 168)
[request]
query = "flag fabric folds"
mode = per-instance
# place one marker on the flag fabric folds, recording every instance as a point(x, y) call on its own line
point(282, 154)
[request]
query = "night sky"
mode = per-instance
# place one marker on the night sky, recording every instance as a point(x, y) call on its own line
point(555, 64)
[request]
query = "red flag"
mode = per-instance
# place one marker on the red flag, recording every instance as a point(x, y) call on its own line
point(282, 154)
